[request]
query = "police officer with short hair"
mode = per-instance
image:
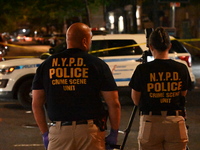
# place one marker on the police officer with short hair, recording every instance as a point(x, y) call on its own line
point(71, 85)
point(159, 88)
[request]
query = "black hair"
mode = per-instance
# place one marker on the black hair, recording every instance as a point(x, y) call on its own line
point(159, 39)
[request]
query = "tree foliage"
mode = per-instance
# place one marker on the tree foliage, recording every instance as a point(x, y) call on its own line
point(38, 13)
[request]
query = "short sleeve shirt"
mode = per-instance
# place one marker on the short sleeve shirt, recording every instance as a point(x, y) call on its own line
point(72, 81)
point(160, 83)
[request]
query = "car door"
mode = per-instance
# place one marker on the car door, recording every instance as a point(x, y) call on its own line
point(120, 55)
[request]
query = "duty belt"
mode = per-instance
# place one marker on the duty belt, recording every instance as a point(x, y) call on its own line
point(167, 113)
point(68, 123)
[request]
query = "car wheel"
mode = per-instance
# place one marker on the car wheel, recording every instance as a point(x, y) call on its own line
point(24, 94)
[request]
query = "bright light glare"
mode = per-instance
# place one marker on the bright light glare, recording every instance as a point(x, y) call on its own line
point(24, 30)
point(138, 15)
point(112, 19)
point(138, 12)
point(102, 29)
point(121, 24)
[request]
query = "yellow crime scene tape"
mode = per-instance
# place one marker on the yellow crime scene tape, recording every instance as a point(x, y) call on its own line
point(180, 40)
point(114, 48)
point(187, 40)
point(184, 41)
point(197, 48)
point(14, 45)
point(12, 57)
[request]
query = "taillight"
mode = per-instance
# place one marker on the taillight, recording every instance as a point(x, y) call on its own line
point(187, 59)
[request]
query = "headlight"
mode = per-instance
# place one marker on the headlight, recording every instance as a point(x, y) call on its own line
point(7, 70)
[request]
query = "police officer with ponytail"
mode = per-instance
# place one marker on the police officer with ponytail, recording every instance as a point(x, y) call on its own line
point(159, 88)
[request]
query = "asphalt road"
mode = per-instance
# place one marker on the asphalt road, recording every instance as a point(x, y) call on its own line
point(18, 130)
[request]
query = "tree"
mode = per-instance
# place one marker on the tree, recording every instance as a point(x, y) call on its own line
point(38, 13)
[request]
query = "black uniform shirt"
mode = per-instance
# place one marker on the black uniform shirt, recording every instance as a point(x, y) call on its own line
point(72, 81)
point(160, 83)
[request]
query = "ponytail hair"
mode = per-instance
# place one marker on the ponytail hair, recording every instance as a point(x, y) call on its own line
point(159, 39)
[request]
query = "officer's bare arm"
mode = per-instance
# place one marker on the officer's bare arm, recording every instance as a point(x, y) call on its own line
point(38, 109)
point(114, 108)
point(135, 95)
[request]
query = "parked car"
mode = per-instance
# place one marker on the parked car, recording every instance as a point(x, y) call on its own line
point(3, 47)
point(117, 49)
point(43, 39)
point(122, 52)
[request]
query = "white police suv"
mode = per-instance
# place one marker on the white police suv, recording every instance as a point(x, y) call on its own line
point(122, 52)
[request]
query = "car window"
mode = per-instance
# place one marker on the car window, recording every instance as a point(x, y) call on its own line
point(177, 47)
point(104, 44)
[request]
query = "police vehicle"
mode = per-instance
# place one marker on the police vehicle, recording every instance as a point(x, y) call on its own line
point(122, 52)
